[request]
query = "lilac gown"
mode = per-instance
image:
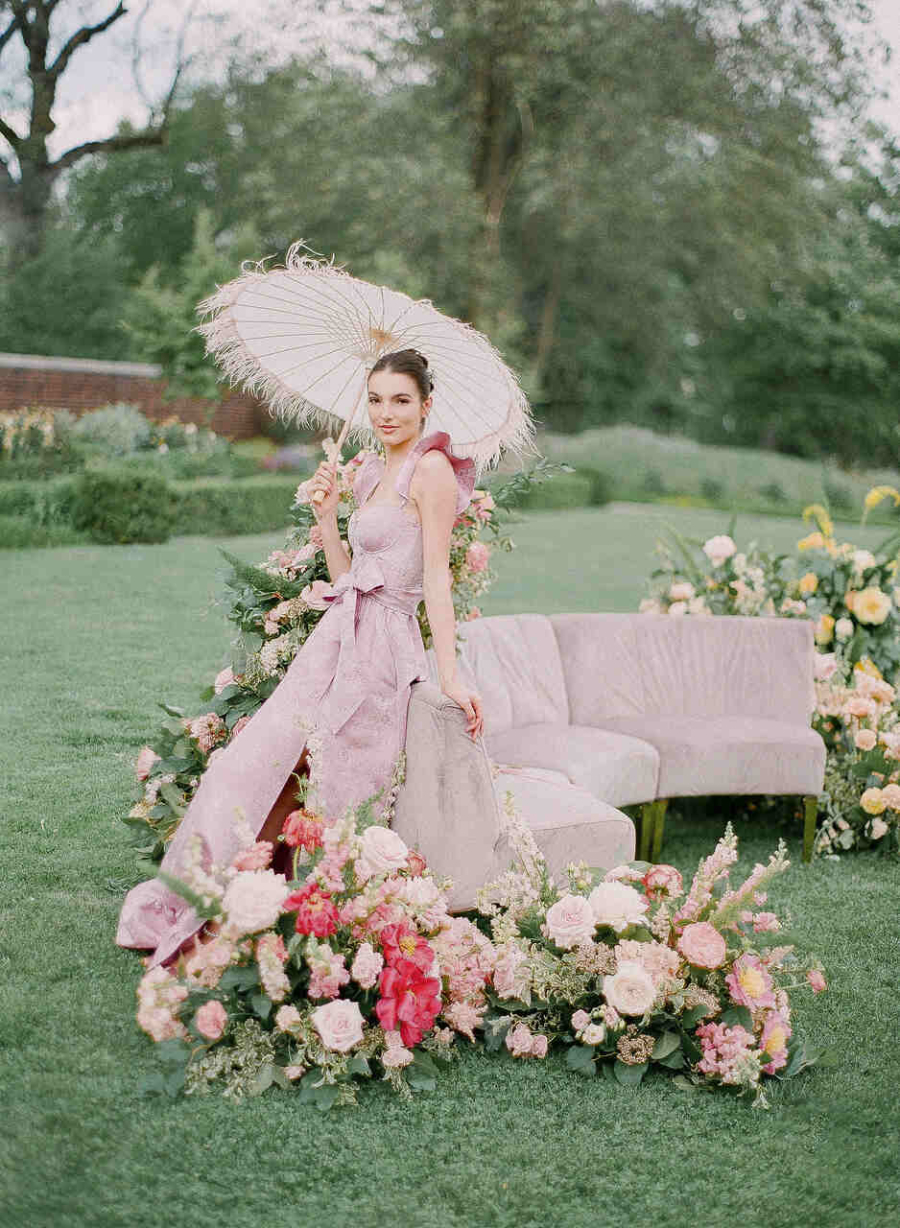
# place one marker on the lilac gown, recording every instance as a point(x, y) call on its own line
point(346, 693)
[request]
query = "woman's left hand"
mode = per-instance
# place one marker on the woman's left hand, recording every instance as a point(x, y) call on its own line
point(470, 702)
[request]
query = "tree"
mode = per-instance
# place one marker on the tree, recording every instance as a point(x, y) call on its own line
point(25, 200)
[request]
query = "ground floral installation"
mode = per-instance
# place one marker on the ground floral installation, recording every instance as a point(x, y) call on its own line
point(356, 969)
point(275, 605)
point(853, 598)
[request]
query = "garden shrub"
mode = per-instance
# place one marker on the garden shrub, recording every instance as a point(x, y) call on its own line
point(18, 533)
point(582, 488)
point(774, 492)
point(121, 506)
point(114, 429)
point(712, 489)
point(223, 507)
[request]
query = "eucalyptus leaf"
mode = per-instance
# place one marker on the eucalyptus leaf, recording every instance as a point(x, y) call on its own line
point(630, 1076)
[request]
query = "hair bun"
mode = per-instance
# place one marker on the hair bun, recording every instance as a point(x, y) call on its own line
point(419, 354)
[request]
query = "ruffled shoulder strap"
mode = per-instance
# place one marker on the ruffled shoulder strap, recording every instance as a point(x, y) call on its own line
point(367, 477)
point(463, 467)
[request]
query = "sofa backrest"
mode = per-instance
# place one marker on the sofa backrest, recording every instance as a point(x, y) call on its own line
point(641, 664)
point(513, 661)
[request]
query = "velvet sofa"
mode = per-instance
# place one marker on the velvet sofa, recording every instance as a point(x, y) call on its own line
point(615, 709)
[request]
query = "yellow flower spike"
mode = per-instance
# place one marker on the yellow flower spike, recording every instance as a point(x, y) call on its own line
point(813, 541)
point(816, 512)
point(808, 584)
point(875, 496)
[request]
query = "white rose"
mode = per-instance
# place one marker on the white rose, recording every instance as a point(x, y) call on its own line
point(862, 559)
point(253, 899)
point(570, 922)
point(877, 829)
point(681, 590)
point(843, 628)
point(593, 1034)
point(631, 991)
point(617, 905)
point(339, 1023)
point(718, 549)
point(382, 851)
point(678, 609)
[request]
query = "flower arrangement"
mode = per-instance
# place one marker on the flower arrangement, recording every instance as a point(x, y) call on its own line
point(628, 969)
point(275, 606)
point(352, 967)
point(850, 594)
point(859, 720)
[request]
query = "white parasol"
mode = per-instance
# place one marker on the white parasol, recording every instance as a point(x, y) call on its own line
point(305, 337)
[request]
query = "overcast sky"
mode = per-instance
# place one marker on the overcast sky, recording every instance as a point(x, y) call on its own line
point(99, 87)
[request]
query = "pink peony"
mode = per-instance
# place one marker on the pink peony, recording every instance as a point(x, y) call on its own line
point(145, 762)
point(816, 980)
point(539, 1046)
point(477, 556)
point(210, 1019)
point(750, 984)
point(662, 880)
point(659, 960)
point(224, 678)
point(773, 1041)
point(256, 857)
point(702, 945)
point(315, 595)
point(570, 922)
point(339, 1024)
point(366, 966)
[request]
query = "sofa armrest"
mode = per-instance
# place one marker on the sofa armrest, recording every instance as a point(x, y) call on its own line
point(447, 806)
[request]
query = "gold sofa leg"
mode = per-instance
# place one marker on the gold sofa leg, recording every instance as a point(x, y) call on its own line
point(810, 812)
point(648, 822)
point(658, 827)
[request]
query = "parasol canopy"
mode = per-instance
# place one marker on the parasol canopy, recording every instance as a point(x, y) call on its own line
point(304, 338)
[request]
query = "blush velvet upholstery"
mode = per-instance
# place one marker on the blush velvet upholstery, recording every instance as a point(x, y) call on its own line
point(586, 712)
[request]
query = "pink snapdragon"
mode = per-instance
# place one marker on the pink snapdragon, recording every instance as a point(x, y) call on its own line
point(159, 996)
point(208, 960)
point(728, 1054)
point(145, 761)
point(257, 857)
point(477, 556)
point(224, 678)
point(271, 956)
point(366, 966)
point(464, 1017)
point(327, 973)
point(817, 982)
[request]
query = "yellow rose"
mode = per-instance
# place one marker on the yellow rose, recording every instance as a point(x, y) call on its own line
point(813, 541)
point(872, 801)
point(824, 629)
point(866, 665)
point(808, 583)
point(871, 605)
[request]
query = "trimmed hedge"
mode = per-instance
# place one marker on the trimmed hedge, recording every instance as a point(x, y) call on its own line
point(120, 507)
point(219, 506)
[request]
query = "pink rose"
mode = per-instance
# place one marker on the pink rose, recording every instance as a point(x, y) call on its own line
point(477, 556)
point(520, 1041)
point(314, 595)
point(702, 945)
point(662, 880)
point(580, 1020)
point(210, 1019)
point(539, 1046)
point(570, 922)
point(145, 762)
point(816, 980)
point(224, 678)
point(339, 1023)
point(382, 851)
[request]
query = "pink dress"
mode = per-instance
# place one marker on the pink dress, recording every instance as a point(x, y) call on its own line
point(346, 693)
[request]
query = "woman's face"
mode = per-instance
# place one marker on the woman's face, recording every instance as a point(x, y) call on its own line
point(395, 407)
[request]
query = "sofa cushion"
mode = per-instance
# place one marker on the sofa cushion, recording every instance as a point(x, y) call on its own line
point(616, 767)
point(729, 754)
point(621, 665)
point(515, 664)
point(568, 824)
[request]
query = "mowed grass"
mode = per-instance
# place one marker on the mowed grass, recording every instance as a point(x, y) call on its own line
point(92, 638)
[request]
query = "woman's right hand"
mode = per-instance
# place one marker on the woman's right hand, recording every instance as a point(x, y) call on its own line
point(325, 480)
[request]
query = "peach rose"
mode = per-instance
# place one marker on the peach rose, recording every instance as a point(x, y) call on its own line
point(718, 549)
point(816, 981)
point(865, 739)
point(702, 945)
point(890, 795)
point(314, 594)
point(872, 801)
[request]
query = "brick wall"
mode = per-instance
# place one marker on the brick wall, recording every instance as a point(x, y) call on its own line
point(80, 384)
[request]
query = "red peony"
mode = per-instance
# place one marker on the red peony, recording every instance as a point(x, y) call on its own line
point(409, 1002)
point(316, 914)
point(400, 942)
point(302, 829)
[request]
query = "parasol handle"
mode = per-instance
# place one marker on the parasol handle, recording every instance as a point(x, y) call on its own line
point(332, 449)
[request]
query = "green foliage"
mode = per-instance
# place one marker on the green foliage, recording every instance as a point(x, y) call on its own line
point(114, 430)
point(120, 506)
point(221, 506)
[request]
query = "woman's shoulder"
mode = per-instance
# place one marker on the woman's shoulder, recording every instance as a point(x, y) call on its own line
point(431, 461)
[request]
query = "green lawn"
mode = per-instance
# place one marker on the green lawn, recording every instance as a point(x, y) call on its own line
point(92, 637)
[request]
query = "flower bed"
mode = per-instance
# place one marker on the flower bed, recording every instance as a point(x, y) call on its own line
point(355, 968)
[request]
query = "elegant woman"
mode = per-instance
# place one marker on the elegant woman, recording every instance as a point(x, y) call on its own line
point(340, 710)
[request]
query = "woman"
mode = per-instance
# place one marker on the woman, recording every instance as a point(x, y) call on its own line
point(340, 709)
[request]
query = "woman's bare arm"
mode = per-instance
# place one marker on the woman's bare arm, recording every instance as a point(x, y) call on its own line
point(336, 556)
